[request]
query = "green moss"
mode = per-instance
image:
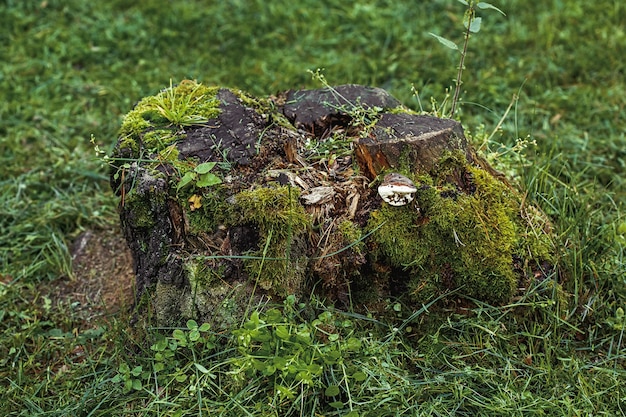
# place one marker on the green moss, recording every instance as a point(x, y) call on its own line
point(155, 120)
point(273, 208)
point(264, 106)
point(280, 261)
point(169, 153)
point(213, 212)
point(455, 239)
point(221, 304)
point(159, 139)
point(198, 273)
point(141, 208)
point(487, 221)
point(206, 297)
point(402, 110)
point(142, 214)
point(351, 235)
point(172, 304)
point(398, 235)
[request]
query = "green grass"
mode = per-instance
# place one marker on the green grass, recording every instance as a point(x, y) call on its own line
point(71, 69)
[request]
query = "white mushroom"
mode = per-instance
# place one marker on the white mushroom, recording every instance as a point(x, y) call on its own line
point(397, 190)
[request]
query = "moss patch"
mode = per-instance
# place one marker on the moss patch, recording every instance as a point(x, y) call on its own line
point(457, 238)
point(172, 304)
point(156, 120)
point(352, 236)
point(211, 213)
point(280, 262)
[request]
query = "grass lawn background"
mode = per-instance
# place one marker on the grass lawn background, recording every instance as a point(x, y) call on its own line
point(70, 70)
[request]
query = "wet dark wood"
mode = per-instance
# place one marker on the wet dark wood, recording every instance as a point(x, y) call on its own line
point(413, 140)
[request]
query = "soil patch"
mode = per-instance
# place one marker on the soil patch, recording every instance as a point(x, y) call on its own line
point(103, 277)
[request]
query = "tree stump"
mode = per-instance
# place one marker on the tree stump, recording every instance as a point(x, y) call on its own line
point(229, 200)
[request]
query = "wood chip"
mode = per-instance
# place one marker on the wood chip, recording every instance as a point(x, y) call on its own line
point(318, 195)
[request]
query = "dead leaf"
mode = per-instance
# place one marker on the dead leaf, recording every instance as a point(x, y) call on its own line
point(195, 202)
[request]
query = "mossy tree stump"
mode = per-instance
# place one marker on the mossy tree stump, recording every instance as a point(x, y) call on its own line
point(228, 199)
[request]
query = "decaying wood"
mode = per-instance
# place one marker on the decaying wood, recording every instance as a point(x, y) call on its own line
point(419, 141)
point(334, 190)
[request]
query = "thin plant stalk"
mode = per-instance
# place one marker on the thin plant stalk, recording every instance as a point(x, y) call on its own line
point(459, 74)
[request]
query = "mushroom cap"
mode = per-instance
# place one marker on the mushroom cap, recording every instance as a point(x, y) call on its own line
point(397, 190)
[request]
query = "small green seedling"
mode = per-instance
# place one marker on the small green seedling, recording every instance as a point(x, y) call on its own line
point(472, 25)
point(201, 175)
